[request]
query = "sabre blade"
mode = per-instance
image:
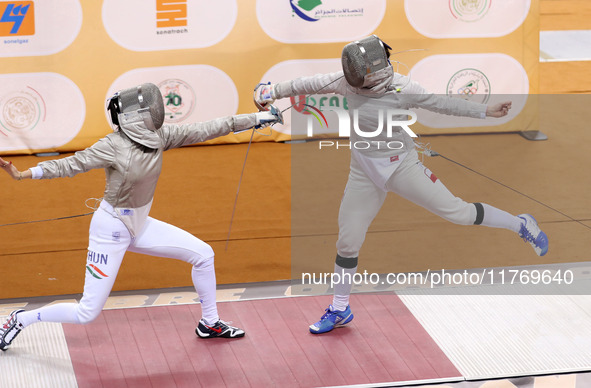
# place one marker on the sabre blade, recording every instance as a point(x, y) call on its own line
point(238, 190)
point(330, 83)
point(246, 157)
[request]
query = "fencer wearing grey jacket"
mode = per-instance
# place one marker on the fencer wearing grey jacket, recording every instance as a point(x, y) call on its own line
point(132, 169)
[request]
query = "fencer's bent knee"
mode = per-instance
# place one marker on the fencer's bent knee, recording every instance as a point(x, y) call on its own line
point(351, 238)
point(461, 213)
point(204, 262)
point(86, 315)
point(207, 253)
point(348, 250)
point(202, 257)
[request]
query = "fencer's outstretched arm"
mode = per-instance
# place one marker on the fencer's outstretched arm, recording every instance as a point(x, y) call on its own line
point(110, 150)
point(417, 96)
point(99, 155)
point(13, 171)
point(327, 83)
point(175, 136)
point(324, 83)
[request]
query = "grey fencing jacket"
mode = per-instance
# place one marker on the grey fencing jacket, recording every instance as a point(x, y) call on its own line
point(131, 169)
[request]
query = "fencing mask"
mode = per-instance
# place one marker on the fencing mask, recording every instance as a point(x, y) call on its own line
point(139, 112)
point(364, 58)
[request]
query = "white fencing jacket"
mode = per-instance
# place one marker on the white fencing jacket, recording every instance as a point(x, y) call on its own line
point(377, 160)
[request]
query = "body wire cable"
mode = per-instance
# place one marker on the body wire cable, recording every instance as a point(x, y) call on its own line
point(49, 219)
point(93, 207)
point(434, 153)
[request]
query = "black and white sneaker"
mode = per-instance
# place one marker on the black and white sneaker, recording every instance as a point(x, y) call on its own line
point(11, 328)
point(220, 329)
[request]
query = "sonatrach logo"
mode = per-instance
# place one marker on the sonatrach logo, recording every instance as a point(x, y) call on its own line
point(469, 84)
point(171, 17)
point(179, 99)
point(314, 10)
point(469, 10)
point(22, 110)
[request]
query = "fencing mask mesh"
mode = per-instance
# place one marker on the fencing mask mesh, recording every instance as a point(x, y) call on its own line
point(143, 98)
point(362, 58)
point(139, 112)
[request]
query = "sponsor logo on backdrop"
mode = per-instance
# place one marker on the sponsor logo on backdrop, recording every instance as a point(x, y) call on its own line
point(33, 114)
point(469, 10)
point(319, 21)
point(313, 105)
point(302, 103)
point(154, 25)
point(29, 28)
point(18, 18)
point(314, 10)
point(487, 78)
point(317, 114)
point(179, 99)
point(466, 18)
point(469, 84)
point(171, 17)
point(22, 110)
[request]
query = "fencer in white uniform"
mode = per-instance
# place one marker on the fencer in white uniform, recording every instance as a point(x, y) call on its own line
point(132, 159)
point(372, 88)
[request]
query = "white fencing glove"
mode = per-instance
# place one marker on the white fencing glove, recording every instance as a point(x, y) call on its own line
point(268, 117)
point(264, 95)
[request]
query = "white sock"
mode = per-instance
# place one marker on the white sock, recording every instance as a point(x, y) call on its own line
point(342, 289)
point(60, 312)
point(496, 218)
point(205, 285)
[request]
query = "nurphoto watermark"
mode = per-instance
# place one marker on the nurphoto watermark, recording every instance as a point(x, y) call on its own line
point(387, 121)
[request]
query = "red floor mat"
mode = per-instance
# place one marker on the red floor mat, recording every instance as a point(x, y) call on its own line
point(157, 346)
